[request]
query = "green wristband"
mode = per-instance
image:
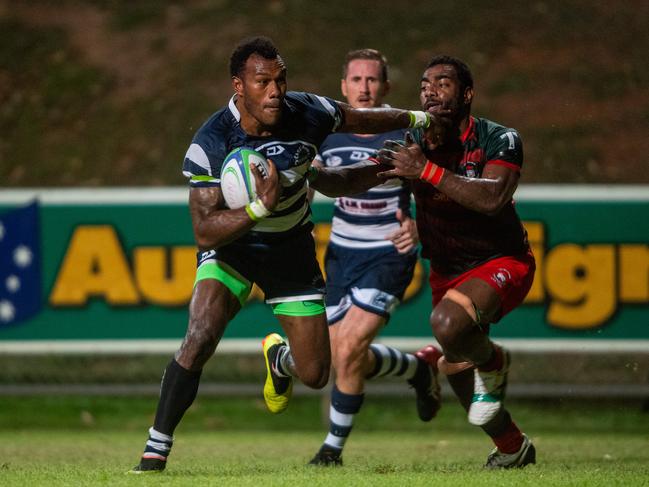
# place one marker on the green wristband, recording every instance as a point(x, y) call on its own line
point(419, 119)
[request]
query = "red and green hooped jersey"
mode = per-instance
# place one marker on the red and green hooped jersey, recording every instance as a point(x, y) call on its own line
point(455, 238)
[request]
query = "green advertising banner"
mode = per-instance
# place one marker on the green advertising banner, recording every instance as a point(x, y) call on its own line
point(119, 264)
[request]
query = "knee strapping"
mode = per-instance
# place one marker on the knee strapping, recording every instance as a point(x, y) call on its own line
point(451, 368)
point(465, 301)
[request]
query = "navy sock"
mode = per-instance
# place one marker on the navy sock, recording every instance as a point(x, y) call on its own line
point(342, 410)
point(392, 362)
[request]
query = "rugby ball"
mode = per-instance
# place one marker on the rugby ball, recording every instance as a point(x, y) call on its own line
point(237, 181)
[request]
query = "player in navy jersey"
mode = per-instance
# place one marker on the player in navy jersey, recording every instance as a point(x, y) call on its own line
point(369, 263)
point(481, 263)
point(267, 242)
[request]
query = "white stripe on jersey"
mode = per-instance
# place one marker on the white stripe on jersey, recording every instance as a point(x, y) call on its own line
point(289, 201)
point(328, 106)
point(233, 108)
point(283, 223)
point(197, 155)
point(372, 236)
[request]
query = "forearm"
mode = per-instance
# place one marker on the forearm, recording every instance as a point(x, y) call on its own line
point(220, 227)
point(486, 195)
point(216, 225)
point(481, 195)
point(334, 182)
point(377, 120)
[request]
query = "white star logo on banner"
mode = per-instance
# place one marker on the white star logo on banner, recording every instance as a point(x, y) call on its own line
point(23, 256)
point(7, 311)
point(12, 283)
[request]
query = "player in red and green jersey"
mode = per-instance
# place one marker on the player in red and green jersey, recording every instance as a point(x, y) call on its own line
point(481, 263)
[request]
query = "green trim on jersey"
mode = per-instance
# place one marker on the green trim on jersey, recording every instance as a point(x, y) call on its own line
point(230, 278)
point(310, 307)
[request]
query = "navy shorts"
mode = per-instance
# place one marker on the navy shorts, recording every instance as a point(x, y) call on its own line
point(284, 266)
point(372, 279)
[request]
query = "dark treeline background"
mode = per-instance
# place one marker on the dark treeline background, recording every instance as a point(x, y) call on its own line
point(105, 93)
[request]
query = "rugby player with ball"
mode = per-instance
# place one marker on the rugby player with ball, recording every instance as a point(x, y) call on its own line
point(268, 240)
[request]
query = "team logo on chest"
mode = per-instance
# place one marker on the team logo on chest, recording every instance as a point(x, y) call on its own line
point(359, 155)
point(471, 169)
point(286, 155)
point(334, 161)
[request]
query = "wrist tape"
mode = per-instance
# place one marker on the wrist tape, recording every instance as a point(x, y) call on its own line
point(256, 210)
point(419, 119)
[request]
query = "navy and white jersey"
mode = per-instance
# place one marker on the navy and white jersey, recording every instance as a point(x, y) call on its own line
point(306, 121)
point(363, 221)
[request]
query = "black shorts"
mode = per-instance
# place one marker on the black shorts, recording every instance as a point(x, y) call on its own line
point(284, 266)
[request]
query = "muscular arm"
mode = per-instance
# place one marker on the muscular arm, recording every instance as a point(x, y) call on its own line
point(372, 120)
point(214, 224)
point(377, 120)
point(488, 194)
point(341, 181)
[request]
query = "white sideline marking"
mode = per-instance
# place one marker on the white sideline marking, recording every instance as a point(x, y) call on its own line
point(253, 345)
point(180, 194)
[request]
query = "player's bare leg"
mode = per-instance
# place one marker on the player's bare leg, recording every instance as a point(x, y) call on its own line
point(308, 358)
point(212, 306)
point(310, 352)
point(459, 325)
point(354, 361)
point(350, 341)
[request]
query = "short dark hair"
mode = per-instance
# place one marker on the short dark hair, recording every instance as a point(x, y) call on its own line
point(462, 70)
point(371, 54)
point(263, 46)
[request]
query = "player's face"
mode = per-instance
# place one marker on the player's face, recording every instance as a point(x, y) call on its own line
point(440, 88)
point(261, 90)
point(363, 86)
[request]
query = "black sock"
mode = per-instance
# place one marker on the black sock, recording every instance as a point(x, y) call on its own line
point(177, 393)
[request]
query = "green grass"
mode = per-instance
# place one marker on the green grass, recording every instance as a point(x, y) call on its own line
point(90, 441)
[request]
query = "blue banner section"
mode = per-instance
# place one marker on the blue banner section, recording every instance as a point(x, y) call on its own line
point(20, 265)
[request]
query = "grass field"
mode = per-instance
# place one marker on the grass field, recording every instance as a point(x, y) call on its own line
point(91, 441)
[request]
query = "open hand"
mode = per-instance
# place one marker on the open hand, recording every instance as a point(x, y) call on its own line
point(407, 159)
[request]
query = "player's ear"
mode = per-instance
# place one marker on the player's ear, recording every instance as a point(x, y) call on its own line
point(343, 87)
point(468, 96)
point(237, 85)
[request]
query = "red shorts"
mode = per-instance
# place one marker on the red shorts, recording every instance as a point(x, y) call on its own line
point(511, 277)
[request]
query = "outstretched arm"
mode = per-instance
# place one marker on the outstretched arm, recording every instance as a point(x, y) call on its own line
point(341, 181)
point(216, 225)
point(377, 120)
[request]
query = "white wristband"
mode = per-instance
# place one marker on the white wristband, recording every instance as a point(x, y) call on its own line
point(419, 119)
point(256, 210)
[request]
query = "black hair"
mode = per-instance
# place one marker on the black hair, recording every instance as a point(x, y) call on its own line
point(462, 70)
point(371, 54)
point(262, 46)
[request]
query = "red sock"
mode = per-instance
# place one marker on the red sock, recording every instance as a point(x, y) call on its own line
point(510, 440)
point(495, 362)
